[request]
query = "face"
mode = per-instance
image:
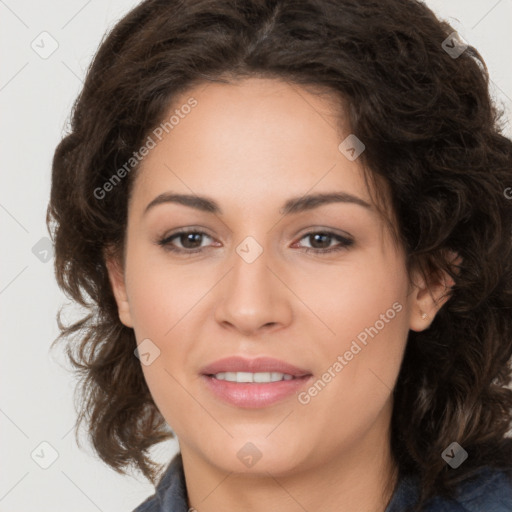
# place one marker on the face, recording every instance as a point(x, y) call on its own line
point(319, 286)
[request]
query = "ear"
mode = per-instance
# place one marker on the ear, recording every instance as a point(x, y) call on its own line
point(430, 293)
point(117, 281)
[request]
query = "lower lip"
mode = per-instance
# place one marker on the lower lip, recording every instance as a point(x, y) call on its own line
point(252, 394)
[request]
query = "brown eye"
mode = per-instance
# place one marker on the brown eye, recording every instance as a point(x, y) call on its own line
point(190, 241)
point(321, 242)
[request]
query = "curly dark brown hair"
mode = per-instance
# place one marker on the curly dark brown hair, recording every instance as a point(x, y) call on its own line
point(431, 132)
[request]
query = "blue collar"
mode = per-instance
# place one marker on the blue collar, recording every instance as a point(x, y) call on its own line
point(489, 491)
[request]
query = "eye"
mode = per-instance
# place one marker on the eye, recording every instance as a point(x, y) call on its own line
point(191, 241)
point(321, 241)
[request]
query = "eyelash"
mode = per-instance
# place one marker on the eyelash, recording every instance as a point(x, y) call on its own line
point(344, 242)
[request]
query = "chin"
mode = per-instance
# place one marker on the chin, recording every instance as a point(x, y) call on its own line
point(256, 455)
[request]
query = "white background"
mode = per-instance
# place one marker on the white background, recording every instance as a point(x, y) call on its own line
point(36, 96)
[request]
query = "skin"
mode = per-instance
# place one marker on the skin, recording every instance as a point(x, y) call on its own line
point(250, 146)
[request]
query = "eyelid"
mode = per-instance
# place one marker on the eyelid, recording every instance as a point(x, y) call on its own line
point(322, 229)
point(165, 239)
point(184, 230)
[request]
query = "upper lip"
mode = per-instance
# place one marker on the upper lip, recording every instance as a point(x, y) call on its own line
point(260, 364)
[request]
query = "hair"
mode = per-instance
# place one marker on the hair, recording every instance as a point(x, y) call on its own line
point(432, 133)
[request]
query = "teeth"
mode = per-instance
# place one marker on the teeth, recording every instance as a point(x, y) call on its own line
point(253, 377)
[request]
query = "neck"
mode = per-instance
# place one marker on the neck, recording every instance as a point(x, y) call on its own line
point(358, 479)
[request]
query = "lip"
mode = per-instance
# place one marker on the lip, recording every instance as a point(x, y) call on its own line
point(253, 395)
point(260, 364)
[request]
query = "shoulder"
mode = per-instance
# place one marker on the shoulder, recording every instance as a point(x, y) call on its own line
point(488, 490)
point(171, 491)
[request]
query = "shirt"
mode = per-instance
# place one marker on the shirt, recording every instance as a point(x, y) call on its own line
point(490, 492)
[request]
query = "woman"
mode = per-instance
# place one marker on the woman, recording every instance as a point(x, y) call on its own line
point(291, 224)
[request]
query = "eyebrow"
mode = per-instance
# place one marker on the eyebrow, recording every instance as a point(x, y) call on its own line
point(291, 206)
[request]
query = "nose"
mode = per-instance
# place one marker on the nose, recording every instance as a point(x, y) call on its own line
point(254, 297)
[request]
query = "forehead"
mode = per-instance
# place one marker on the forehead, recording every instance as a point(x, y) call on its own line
point(255, 138)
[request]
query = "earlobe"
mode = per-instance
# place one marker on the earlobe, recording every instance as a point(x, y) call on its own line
point(117, 282)
point(430, 294)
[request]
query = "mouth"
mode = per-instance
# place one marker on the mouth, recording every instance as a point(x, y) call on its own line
point(253, 383)
point(257, 377)
point(267, 368)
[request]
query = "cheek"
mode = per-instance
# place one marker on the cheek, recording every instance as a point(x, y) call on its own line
point(162, 294)
point(350, 298)
point(345, 304)
point(365, 308)
point(164, 304)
